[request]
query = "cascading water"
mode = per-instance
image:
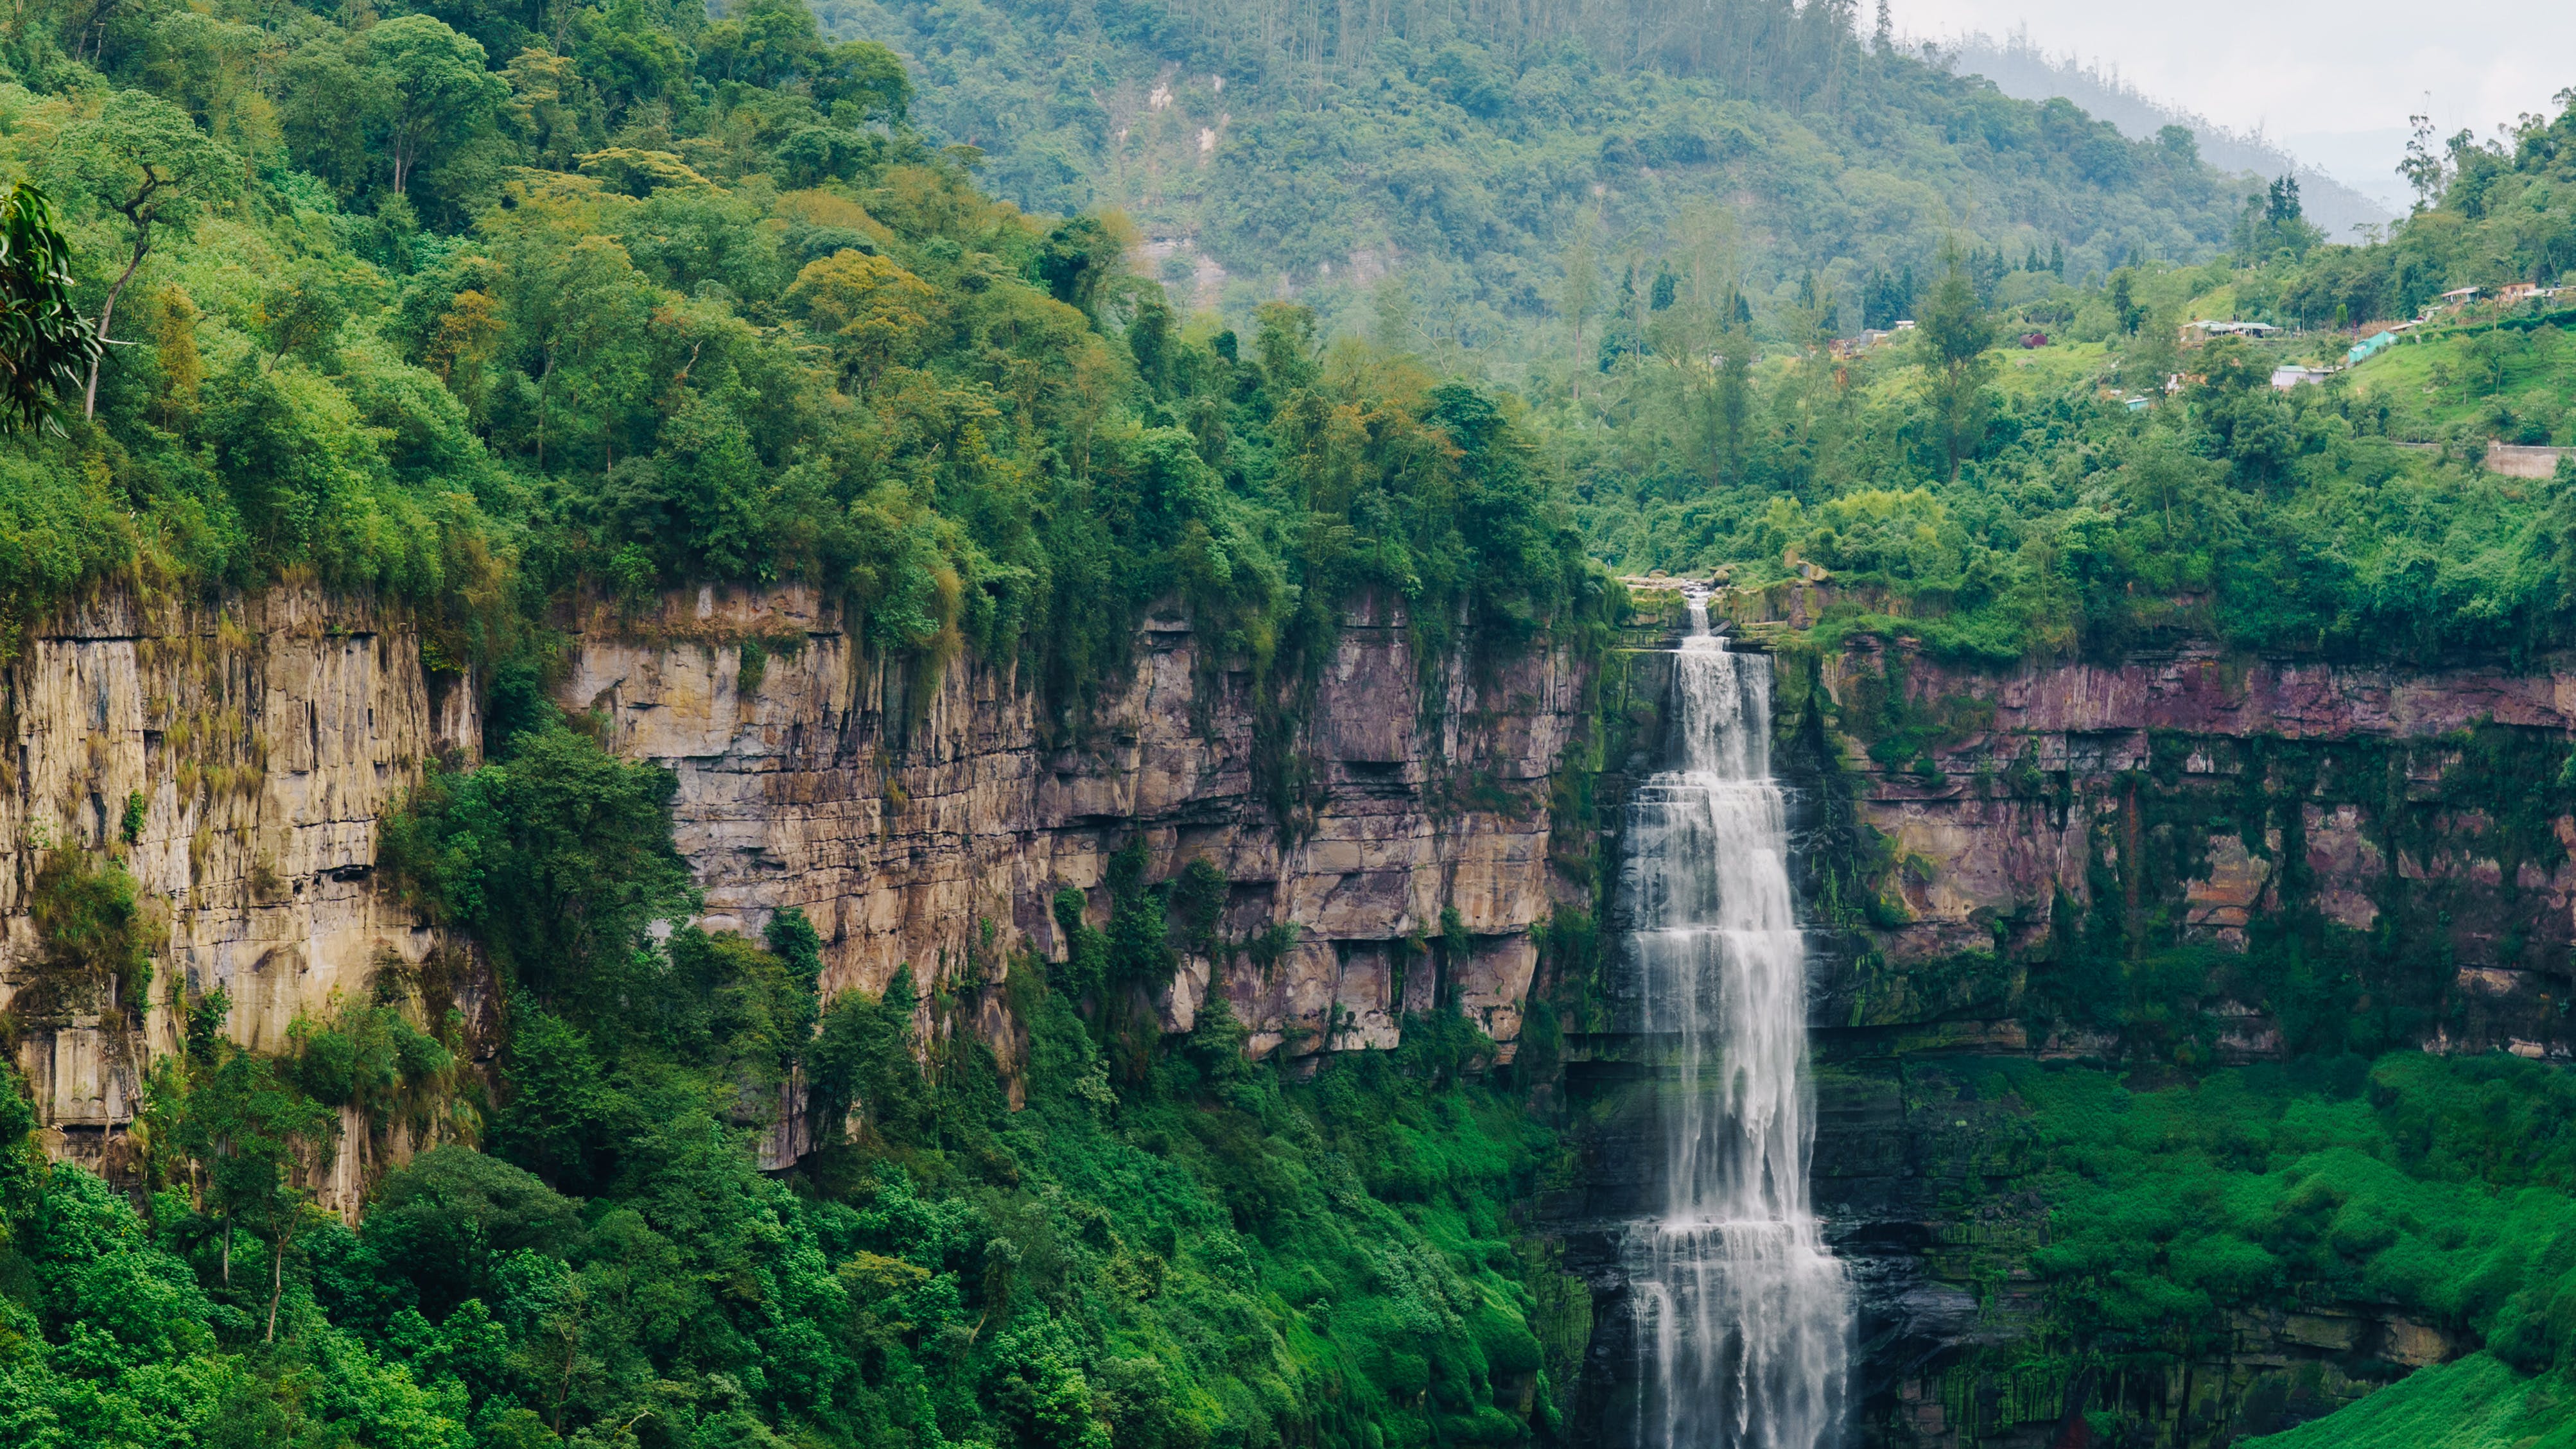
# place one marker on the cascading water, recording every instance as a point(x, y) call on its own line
point(1744, 1320)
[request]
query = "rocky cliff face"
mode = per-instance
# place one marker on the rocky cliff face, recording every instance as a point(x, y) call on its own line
point(2407, 825)
point(1958, 830)
point(1954, 827)
point(2209, 795)
point(916, 817)
point(905, 814)
point(251, 748)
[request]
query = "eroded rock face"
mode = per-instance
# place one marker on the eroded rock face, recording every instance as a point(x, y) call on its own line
point(902, 814)
point(2189, 797)
point(917, 818)
point(2223, 792)
point(265, 741)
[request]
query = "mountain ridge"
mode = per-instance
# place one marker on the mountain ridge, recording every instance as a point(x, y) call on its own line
point(2025, 71)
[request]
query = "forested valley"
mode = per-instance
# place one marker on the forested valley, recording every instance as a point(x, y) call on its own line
point(1007, 329)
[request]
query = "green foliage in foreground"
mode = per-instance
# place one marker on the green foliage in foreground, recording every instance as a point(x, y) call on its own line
point(1179, 1250)
point(2477, 1402)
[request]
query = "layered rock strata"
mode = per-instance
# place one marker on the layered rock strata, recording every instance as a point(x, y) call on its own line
point(240, 759)
point(2211, 793)
point(920, 817)
point(928, 819)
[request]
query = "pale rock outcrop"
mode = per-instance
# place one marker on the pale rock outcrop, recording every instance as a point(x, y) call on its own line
point(902, 811)
point(919, 817)
point(267, 738)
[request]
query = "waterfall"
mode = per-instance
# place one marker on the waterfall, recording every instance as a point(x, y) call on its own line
point(1743, 1319)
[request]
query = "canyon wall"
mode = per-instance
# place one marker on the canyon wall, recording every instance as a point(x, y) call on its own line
point(2417, 819)
point(905, 815)
point(1970, 842)
point(240, 759)
point(918, 817)
point(1956, 831)
point(2400, 831)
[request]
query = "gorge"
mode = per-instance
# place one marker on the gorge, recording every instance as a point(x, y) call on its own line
point(1190, 726)
point(2227, 796)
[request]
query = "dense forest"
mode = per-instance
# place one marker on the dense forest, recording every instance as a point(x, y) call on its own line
point(1619, 217)
point(997, 324)
point(1441, 175)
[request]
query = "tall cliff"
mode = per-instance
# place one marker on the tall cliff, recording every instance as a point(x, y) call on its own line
point(241, 757)
point(2151, 866)
point(918, 817)
point(2176, 860)
point(902, 814)
point(1978, 851)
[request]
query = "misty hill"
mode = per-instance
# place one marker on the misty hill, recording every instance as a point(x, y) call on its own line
point(1758, 141)
point(2023, 70)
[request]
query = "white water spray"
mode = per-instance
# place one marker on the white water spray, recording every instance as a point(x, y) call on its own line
point(1744, 1320)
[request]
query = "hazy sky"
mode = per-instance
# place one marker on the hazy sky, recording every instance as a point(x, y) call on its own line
point(2333, 80)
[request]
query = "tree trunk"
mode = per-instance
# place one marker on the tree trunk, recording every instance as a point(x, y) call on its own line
point(276, 1284)
point(106, 312)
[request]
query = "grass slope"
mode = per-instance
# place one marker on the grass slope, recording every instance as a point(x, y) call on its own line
point(2478, 1402)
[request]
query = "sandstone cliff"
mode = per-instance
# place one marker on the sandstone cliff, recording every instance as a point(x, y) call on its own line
point(917, 817)
point(264, 739)
point(902, 814)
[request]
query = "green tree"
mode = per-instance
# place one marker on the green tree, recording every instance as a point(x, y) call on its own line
point(1578, 295)
point(868, 76)
point(1956, 333)
point(862, 1062)
point(144, 159)
point(557, 858)
point(2247, 419)
point(258, 1141)
point(763, 42)
point(629, 56)
point(2126, 309)
point(560, 1119)
point(432, 87)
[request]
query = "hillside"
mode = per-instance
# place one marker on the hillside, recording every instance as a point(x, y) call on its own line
point(2054, 498)
point(1759, 145)
point(2027, 72)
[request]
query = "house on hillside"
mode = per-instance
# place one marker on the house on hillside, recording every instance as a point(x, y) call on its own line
point(2209, 329)
point(2290, 375)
